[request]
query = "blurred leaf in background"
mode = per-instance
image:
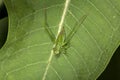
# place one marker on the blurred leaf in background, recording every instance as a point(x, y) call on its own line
point(3, 24)
point(3, 30)
point(3, 12)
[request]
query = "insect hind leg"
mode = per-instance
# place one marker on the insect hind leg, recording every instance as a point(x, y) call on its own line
point(47, 28)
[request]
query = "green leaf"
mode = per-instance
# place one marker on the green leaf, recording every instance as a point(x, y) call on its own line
point(1, 2)
point(27, 53)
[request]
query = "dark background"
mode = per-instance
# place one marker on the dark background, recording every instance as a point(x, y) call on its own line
point(112, 72)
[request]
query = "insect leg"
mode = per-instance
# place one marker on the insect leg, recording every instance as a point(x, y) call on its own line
point(75, 28)
point(47, 28)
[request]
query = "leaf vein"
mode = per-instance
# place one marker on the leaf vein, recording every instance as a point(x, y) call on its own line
point(77, 76)
point(87, 32)
point(102, 15)
point(37, 11)
point(24, 67)
point(48, 65)
point(84, 62)
point(116, 10)
point(60, 78)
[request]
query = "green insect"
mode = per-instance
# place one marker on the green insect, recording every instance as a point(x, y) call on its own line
point(62, 42)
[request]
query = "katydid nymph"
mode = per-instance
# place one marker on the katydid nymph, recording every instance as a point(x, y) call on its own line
point(61, 42)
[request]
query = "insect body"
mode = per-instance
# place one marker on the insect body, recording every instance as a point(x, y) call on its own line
point(61, 42)
point(60, 45)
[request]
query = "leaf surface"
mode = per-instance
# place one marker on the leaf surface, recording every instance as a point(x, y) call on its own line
point(27, 53)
